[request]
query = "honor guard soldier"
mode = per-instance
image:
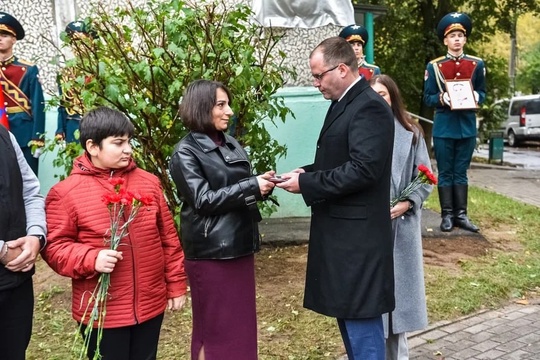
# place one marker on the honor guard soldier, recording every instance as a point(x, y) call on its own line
point(71, 108)
point(454, 130)
point(357, 36)
point(22, 92)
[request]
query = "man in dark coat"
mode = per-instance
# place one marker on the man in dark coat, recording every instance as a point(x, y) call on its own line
point(350, 268)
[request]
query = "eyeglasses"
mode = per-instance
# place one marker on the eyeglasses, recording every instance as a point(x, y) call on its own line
point(319, 77)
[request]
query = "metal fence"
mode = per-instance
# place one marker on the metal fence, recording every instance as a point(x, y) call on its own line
point(420, 117)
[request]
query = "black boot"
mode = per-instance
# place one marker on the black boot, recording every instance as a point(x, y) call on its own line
point(460, 209)
point(445, 199)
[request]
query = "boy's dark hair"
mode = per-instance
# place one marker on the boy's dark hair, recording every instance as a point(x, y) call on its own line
point(102, 122)
point(197, 104)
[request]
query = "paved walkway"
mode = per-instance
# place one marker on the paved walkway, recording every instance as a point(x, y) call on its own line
point(512, 332)
point(517, 183)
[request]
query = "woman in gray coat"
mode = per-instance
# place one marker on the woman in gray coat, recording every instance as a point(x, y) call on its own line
point(409, 153)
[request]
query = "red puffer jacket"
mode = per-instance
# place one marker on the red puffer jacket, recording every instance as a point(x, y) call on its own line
point(152, 269)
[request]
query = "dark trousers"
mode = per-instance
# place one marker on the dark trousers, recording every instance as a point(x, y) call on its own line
point(16, 311)
point(136, 342)
point(363, 338)
point(453, 159)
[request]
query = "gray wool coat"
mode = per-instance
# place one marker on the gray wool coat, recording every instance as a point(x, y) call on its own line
point(410, 313)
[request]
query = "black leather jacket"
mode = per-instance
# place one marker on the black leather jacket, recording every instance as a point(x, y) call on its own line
point(219, 211)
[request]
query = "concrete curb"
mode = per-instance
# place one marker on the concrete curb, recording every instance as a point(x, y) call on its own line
point(295, 230)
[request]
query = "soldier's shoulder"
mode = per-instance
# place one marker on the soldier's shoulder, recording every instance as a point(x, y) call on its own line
point(472, 57)
point(25, 62)
point(438, 60)
point(371, 66)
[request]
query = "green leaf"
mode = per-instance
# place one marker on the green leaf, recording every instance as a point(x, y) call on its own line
point(146, 56)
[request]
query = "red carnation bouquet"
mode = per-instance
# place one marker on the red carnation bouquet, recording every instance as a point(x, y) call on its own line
point(123, 206)
point(425, 176)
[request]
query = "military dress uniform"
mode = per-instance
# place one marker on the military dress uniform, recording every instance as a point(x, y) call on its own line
point(71, 107)
point(453, 124)
point(23, 96)
point(70, 111)
point(454, 131)
point(368, 70)
point(357, 33)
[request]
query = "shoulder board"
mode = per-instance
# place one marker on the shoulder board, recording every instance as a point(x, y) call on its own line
point(474, 57)
point(26, 62)
point(370, 65)
point(438, 59)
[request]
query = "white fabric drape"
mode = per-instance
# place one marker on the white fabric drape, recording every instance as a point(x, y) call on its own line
point(303, 13)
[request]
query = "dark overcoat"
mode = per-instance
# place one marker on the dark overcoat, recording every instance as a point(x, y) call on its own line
point(349, 269)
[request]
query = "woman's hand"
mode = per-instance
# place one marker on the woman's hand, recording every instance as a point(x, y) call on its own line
point(106, 260)
point(266, 186)
point(399, 209)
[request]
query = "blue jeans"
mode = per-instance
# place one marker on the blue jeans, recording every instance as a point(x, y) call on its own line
point(363, 338)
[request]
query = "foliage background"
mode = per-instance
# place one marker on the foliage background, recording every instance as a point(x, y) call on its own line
point(406, 41)
point(142, 58)
point(151, 53)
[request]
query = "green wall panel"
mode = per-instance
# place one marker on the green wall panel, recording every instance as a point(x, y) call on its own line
point(300, 135)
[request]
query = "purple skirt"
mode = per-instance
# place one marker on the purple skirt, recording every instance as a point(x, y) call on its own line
point(223, 304)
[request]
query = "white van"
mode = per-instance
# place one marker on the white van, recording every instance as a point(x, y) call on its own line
point(523, 120)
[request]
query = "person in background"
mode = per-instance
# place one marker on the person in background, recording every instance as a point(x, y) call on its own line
point(71, 107)
point(147, 271)
point(23, 94)
point(410, 151)
point(22, 235)
point(219, 225)
point(454, 131)
point(357, 36)
point(349, 267)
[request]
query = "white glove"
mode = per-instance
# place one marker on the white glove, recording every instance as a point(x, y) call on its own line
point(446, 98)
point(476, 96)
point(37, 152)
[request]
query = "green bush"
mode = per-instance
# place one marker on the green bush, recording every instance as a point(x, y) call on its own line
point(142, 58)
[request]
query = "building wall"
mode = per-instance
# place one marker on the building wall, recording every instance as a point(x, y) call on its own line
point(37, 18)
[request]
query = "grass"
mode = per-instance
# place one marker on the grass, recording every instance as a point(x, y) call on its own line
point(53, 329)
point(288, 331)
point(491, 280)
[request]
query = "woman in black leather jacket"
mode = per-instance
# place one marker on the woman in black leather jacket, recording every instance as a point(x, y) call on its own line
point(218, 225)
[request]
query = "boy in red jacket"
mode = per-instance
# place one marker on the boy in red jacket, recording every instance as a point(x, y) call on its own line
point(146, 270)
